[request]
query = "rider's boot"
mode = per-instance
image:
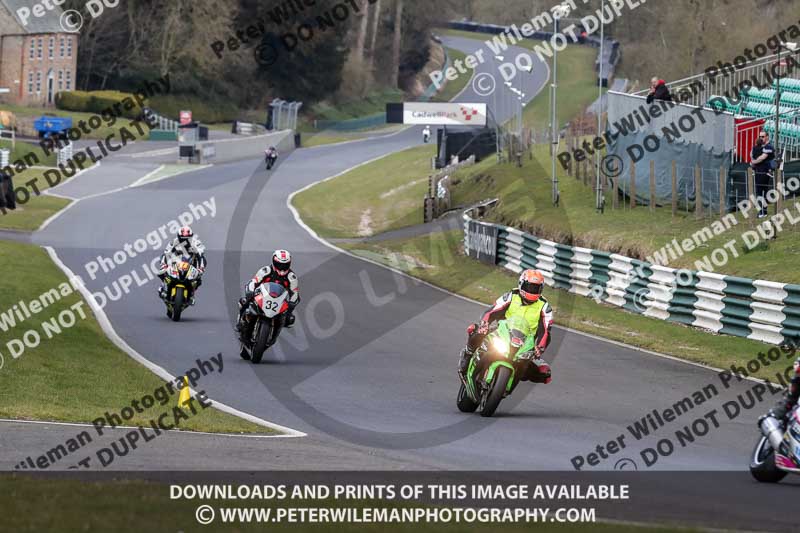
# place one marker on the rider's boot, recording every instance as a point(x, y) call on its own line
point(542, 372)
point(463, 362)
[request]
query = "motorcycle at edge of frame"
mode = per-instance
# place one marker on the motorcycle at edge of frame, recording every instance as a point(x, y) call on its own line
point(777, 452)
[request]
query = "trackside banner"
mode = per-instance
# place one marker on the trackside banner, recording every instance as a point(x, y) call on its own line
point(482, 242)
point(444, 114)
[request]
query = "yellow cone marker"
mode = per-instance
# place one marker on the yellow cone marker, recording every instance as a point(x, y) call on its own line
point(185, 396)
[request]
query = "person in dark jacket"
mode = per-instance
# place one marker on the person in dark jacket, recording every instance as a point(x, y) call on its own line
point(7, 198)
point(761, 159)
point(658, 91)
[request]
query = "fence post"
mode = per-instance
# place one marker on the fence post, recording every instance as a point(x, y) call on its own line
point(698, 192)
point(586, 169)
point(674, 188)
point(751, 187)
point(723, 194)
point(778, 180)
point(652, 185)
point(632, 188)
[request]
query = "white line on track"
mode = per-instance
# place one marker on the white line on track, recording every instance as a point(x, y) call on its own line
point(180, 431)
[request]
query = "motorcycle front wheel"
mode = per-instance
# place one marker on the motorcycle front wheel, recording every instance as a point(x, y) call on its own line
point(262, 340)
point(177, 305)
point(495, 394)
point(762, 465)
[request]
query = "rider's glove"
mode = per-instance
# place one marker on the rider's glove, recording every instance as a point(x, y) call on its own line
point(483, 328)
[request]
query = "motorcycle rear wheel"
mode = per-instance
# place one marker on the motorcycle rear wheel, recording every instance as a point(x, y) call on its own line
point(495, 394)
point(762, 465)
point(262, 341)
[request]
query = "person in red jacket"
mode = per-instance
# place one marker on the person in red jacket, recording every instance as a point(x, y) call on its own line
point(658, 91)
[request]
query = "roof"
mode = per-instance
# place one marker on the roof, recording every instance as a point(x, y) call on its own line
point(47, 23)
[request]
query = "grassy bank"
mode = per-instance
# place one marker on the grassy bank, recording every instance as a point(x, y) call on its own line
point(525, 203)
point(79, 374)
point(38, 208)
point(374, 198)
point(451, 89)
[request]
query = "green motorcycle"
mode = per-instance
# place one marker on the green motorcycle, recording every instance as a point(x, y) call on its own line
point(495, 369)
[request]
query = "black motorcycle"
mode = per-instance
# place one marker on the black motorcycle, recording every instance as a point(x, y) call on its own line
point(270, 158)
point(180, 284)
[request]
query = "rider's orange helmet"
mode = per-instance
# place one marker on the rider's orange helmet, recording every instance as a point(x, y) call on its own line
point(531, 283)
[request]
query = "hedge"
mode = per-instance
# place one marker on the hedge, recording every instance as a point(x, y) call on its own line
point(98, 102)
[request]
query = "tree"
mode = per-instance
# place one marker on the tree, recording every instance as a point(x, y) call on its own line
point(398, 38)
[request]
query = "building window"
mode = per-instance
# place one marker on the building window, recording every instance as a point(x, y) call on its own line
point(61, 47)
point(30, 82)
point(38, 82)
point(69, 80)
point(69, 46)
point(60, 80)
point(51, 47)
point(39, 48)
point(33, 49)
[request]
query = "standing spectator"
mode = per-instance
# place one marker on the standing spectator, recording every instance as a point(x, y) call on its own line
point(658, 91)
point(426, 134)
point(7, 198)
point(761, 158)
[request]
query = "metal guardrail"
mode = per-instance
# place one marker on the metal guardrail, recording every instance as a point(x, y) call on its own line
point(756, 309)
point(698, 89)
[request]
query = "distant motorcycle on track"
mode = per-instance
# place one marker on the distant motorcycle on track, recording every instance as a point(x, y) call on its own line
point(270, 157)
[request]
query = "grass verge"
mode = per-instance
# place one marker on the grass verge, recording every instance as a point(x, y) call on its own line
point(79, 374)
point(374, 198)
point(38, 208)
point(451, 89)
point(439, 259)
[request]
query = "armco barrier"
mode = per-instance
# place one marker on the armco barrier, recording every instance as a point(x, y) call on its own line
point(760, 310)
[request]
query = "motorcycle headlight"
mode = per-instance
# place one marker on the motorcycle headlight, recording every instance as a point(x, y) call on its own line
point(500, 345)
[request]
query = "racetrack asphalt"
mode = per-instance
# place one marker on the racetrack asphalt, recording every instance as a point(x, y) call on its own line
point(369, 370)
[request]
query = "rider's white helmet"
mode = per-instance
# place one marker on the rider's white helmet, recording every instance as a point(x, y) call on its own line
point(281, 262)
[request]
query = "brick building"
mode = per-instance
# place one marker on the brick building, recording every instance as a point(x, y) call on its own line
point(37, 57)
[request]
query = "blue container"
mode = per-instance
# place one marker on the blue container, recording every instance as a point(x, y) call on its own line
point(47, 126)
